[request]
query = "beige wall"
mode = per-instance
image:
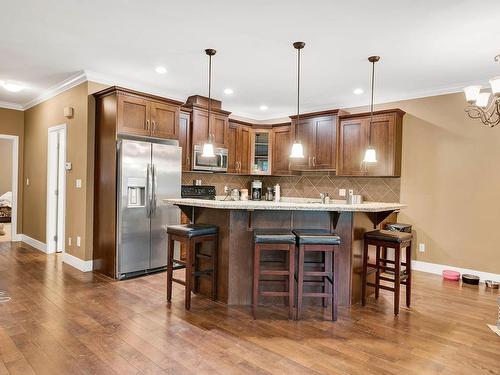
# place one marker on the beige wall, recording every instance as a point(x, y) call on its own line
point(37, 121)
point(12, 123)
point(5, 166)
point(451, 182)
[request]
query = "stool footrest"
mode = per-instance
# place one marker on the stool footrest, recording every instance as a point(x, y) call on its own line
point(318, 273)
point(274, 272)
point(179, 281)
point(329, 295)
point(381, 287)
point(274, 294)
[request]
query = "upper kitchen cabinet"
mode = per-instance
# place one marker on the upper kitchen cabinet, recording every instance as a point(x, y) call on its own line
point(260, 151)
point(281, 147)
point(219, 123)
point(354, 133)
point(185, 139)
point(318, 134)
point(239, 147)
point(141, 114)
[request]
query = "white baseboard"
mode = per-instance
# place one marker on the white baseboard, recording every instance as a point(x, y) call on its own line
point(39, 245)
point(79, 264)
point(438, 269)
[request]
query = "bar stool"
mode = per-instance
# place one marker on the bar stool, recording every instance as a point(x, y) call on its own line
point(274, 240)
point(388, 239)
point(191, 235)
point(326, 243)
point(396, 227)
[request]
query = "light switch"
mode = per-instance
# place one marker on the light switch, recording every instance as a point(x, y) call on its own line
point(27, 182)
point(69, 241)
point(421, 247)
point(78, 241)
point(78, 183)
point(342, 192)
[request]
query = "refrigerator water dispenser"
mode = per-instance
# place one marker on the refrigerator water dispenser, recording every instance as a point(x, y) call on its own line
point(136, 192)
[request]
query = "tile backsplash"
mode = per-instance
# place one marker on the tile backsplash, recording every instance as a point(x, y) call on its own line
point(375, 189)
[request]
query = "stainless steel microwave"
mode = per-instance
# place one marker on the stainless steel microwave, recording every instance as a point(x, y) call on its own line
point(218, 163)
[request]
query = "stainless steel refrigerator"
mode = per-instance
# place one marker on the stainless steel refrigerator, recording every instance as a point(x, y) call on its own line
point(147, 173)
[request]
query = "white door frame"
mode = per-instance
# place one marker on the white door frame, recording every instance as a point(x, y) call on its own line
point(51, 245)
point(15, 176)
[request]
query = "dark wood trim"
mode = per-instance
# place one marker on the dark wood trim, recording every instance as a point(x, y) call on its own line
point(364, 114)
point(191, 106)
point(111, 90)
point(316, 114)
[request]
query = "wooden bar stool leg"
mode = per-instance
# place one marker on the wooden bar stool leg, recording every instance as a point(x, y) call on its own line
point(256, 276)
point(214, 267)
point(397, 277)
point(191, 248)
point(377, 273)
point(408, 272)
point(300, 282)
point(291, 281)
point(335, 286)
point(327, 264)
point(364, 272)
point(170, 268)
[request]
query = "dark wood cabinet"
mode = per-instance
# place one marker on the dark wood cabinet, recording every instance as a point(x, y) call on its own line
point(239, 148)
point(139, 114)
point(354, 133)
point(185, 140)
point(120, 111)
point(318, 134)
point(282, 143)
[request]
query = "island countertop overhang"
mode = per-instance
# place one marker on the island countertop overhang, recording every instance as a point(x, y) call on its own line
point(338, 206)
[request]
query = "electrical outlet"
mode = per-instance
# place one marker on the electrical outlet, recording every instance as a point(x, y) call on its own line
point(78, 241)
point(342, 192)
point(421, 247)
point(351, 191)
point(78, 183)
point(226, 189)
point(69, 241)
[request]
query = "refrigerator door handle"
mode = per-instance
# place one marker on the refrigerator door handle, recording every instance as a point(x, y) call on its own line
point(148, 190)
point(154, 188)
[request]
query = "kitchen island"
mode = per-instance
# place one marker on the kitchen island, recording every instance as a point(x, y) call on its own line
point(237, 220)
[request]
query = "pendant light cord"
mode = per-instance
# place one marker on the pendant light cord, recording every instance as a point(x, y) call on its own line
point(371, 105)
point(209, 95)
point(298, 93)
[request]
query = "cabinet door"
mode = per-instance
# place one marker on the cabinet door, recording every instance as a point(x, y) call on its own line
point(164, 120)
point(133, 115)
point(353, 142)
point(184, 142)
point(305, 134)
point(282, 144)
point(383, 140)
point(232, 159)
point(219, 125)
point(325, 142)
point(243, 150)
point(199, 127)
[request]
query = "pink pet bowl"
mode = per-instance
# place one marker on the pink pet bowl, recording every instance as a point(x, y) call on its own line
point(451, 275)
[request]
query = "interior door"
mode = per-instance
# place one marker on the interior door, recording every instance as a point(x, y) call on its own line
point(164, 120)
point(166, 172)
point(133, 243)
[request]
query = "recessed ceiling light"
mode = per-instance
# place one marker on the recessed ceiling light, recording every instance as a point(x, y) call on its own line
point(161, 70)
point(228, 91)
point(11, 86)
point(263, 107)
point(358, 91)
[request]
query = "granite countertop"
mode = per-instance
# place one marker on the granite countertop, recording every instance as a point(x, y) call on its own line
point(287, 204)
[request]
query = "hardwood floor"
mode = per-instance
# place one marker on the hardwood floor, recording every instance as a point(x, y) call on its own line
point(62, 321)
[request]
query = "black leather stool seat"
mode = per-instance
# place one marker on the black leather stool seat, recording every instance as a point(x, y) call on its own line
point(192, 230)
point(273, 236)
point(399, 227)
point(388, 236)
point(316, 237)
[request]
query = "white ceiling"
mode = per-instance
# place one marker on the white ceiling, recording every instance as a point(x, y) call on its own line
point(427, 47)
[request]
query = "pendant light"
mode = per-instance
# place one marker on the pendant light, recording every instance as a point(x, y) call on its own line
point(208, 146)
point(370, 153)
point(297, 148)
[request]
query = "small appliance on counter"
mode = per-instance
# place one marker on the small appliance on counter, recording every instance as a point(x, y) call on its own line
point(244, 194)
point(235, 194)
point(198, 192)
point(256, 190)
point(269, 194)
point(354, 199)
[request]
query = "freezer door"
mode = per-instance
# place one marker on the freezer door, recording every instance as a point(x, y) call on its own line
point(166, 173)
point(134, 193)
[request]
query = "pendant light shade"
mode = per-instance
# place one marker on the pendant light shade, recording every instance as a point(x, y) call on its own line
point(208, 146)
point(371, 153)
point(297, 148)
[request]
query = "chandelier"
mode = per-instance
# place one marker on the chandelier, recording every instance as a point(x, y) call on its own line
point(480, 107)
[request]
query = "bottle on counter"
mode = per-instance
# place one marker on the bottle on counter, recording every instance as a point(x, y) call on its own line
point(277, 193)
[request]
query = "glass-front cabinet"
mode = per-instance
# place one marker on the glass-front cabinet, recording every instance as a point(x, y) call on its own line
point(261, 152)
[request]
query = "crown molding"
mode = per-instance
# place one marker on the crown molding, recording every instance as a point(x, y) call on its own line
point(9, 105)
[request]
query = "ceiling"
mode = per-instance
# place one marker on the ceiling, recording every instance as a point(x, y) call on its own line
point(426, 48)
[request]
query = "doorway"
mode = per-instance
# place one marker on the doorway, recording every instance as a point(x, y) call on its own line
point(9, 157)
point(56, 188)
